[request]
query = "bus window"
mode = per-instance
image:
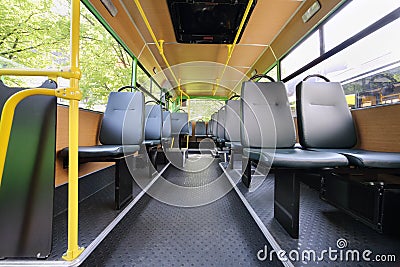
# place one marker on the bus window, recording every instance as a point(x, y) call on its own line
point(301, 55)
point(365, 13)
point(273, 73)
point(369, 69)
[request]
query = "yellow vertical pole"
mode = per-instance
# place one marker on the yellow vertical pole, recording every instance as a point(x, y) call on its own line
point(73, 249)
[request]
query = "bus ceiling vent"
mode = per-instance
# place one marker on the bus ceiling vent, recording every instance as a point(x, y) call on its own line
point(208, 22)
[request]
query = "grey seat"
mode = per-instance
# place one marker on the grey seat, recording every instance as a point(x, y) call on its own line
point(232, 129)
point(121, 134)
point(209, 126)
point(200, 130)
point(268, 137)
point(325, 124)
point(153, 125)
point(213, 126)
point(153, 132)
point(190, 128)
point(166, 129)
point(179, 123)
point(220, 127)
point(179, 126)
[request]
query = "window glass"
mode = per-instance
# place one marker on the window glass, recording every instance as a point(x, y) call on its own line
point(155, 90)
point(304, 53)
point(368, 68)
point(353, 18)
point(105, 65)
point(33, 34)
point(273, 73)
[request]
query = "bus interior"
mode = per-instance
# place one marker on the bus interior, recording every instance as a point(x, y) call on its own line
point(200, 133)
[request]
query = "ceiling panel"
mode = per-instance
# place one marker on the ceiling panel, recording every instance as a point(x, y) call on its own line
point(266, 21)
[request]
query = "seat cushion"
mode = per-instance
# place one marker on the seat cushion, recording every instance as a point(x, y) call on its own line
point(102, 151)
point(368, 159)
point(297, 158)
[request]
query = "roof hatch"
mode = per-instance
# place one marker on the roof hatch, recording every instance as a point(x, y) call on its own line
point(208, 22)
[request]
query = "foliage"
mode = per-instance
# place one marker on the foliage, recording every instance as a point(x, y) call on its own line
point(35, 34)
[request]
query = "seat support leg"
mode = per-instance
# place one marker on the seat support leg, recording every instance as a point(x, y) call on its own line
point(123, 184)
point(246, 169)
point(286, 201)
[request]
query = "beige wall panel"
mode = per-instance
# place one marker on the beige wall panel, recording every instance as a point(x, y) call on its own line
point(157, 13)
point(245, 55)
point(378, 128)
point(122, 25)
point(89, 123)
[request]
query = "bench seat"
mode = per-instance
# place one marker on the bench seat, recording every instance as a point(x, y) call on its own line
point(121, 134)
point(105, 152)
point(297, 158)
point(368, 159)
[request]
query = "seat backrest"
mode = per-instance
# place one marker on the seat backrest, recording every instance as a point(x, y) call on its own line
point(153, 122)
point(190, 128)
point(179, 122)
point(221, 123)
point(324, 119)
point(26, 192)
point(211, 127)
point(166, 129)
point(200, 128)
point(123, 120)
point(232, 117)
point(266, 116)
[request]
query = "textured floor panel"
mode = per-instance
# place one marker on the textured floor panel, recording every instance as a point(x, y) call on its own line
point(321, 225)
point(95, 213)
point(221, 233)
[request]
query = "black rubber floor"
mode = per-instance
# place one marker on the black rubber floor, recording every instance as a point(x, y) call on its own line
point(321, 226)
point(96, 211)
point(153, 233)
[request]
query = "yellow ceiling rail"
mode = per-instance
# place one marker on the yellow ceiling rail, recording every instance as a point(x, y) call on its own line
point(159, 44)
point(232, 46)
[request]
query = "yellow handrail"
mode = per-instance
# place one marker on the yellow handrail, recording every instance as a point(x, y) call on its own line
point(49, 73)
point(74, 95)
point(73, 250)
point(232, 46)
